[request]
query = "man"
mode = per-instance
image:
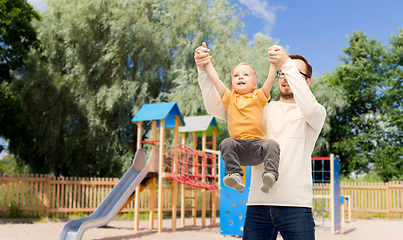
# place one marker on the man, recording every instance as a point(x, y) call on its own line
point(295, 122)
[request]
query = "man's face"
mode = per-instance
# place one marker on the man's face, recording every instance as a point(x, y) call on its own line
point(243, 79)
point(283, 86)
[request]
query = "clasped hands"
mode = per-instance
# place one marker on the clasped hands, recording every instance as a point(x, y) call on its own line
point(277, 55)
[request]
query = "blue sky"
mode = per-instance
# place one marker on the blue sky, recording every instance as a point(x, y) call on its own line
point(317, 29)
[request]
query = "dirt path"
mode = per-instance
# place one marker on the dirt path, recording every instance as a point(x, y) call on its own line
point(373, 229)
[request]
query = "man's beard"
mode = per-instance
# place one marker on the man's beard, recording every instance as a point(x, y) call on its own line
point(286, 94)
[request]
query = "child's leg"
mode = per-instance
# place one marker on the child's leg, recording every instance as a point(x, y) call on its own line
point(230, 150)
point(269, 151)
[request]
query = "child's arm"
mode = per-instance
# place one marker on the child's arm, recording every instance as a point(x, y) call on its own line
point(272, 74)
point(212, 73)
point(270, 80)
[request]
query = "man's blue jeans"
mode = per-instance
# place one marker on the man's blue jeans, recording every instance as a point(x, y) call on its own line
point(264, 222)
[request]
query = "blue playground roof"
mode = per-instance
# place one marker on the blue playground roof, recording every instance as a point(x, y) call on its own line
point(159, 111)
point(200, 124)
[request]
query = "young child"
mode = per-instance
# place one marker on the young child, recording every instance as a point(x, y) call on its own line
point(247, 145)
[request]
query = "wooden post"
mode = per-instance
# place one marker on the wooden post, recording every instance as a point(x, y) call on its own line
point(151, 203)
point(195, 171)
point(155, 131)
point(139, 134)
point(346, 199)
point(47, 196)
point(175, 172)
point(137, 193)
point(160, 173)
point(183, 190)
point(342, 209)
point(213, 172)
point(137, 208)
point(388, 198)
point(152, 186)
point(204, 181)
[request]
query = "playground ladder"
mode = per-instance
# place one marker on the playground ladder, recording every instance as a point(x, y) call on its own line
point(185, 201)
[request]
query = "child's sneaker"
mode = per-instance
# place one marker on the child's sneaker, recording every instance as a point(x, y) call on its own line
point(234, 180)
point(268, 181)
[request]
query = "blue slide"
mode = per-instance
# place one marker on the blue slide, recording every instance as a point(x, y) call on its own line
point(112, 204)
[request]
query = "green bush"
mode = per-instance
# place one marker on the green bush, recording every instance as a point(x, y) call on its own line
point(15, 211)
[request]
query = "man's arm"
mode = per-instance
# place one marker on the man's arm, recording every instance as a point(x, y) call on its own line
point(211, 98)
point(313, 112)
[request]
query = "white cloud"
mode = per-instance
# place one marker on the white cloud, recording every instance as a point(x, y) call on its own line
point(38, 4)
point(261, 9)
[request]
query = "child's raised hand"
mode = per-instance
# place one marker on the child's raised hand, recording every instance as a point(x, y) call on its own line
point(202, 56)
point(275, 48)
point(277, 55)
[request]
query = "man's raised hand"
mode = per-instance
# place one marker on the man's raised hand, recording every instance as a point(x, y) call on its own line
point(202, 56)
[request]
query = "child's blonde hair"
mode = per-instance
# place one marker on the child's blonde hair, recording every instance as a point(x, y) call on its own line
point(254, 72)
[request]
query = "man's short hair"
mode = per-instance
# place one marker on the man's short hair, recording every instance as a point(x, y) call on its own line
point(308, 66)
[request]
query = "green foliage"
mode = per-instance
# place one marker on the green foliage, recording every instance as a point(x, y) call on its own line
point(369, 130)
point(9, 164)
point(369, 177)
point(99, 62)
point(15, 127)
point(41, 220)
point(333, 99)
point(17, 35)
point(15, 211)
point(77, 215)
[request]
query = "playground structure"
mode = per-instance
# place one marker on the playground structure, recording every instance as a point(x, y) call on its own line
point(203, 126)
point(179, 163)
point(326, 192)
point(233, 204)
point(174, 164)
point(110, 206)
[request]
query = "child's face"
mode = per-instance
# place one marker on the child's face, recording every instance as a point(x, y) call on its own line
point(243, 79)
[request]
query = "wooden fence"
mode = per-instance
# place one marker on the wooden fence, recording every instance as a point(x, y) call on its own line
point(43, 195)
point(382, 198)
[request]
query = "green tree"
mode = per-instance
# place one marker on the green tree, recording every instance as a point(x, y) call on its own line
point(17, 35)
point(364, 132)
point(15, 127)
point(389, 162)
point(99, 62)
point(9, 164)
point(332, 97)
